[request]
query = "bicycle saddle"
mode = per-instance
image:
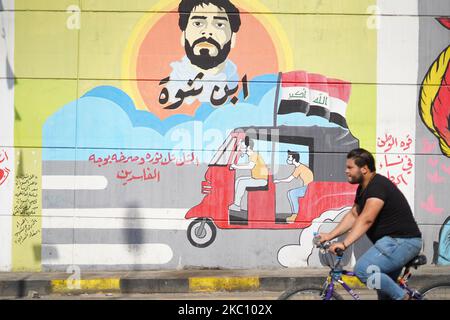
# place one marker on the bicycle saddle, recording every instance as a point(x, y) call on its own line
point(418, 260)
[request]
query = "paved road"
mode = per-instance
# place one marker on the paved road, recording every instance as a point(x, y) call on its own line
point(259, 295)
point(253, 295)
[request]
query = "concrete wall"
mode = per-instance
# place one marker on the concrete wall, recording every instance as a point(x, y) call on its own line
point(111, 115)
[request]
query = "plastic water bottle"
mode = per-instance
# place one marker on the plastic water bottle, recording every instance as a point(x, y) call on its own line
point(316, 239)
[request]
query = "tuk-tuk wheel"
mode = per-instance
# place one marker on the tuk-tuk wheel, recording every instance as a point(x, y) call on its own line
point(201, 232)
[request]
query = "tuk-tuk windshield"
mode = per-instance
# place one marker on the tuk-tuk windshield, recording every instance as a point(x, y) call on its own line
point(222, 156)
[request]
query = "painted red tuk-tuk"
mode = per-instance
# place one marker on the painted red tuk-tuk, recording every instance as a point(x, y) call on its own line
point(327, 148)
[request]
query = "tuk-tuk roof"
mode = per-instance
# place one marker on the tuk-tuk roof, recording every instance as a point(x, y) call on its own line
point(318, 139)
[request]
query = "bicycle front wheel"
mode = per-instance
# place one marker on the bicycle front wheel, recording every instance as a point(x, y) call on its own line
point(436, 291)
point(307, 292)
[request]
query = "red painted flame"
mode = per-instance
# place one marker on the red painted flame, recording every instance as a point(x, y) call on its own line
point(441, 108)
point(445, 22)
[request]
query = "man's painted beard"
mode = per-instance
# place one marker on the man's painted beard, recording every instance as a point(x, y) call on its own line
point(204, 60)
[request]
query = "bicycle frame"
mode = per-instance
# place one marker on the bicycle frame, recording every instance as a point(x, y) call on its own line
point(336, 274)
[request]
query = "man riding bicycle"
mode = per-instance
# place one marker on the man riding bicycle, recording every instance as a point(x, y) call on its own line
point(382, 212)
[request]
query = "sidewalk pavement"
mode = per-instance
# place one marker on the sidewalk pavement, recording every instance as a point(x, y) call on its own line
point(20, 284)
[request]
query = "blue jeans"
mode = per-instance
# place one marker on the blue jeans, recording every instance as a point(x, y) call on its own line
point(383, 262)
point(293, 196)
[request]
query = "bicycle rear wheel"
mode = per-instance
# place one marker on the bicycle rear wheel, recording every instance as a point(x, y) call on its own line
point(307, 292)
point(436, 291)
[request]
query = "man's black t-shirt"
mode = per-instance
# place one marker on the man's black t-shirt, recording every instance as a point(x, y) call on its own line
point(395, 218)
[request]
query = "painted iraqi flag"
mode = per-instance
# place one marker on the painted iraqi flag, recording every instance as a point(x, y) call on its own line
point(314, 95)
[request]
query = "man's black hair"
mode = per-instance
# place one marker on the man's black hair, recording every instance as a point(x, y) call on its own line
point(362, 158)
point(295, 155)
point(186, 6)
point(249, 142)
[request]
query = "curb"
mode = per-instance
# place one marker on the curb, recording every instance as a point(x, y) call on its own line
point(213, 284)
point(181, 284)
point(96, 285)
point(21, 288)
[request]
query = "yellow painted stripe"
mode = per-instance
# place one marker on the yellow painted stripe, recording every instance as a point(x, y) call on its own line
point(110, 284)
point(353, 282)
point(223, 284)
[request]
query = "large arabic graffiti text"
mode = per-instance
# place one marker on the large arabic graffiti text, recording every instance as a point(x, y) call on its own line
point(147, 173)
point(181, 95)
point(396, 166)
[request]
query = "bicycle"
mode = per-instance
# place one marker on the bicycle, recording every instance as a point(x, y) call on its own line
point(328, 290)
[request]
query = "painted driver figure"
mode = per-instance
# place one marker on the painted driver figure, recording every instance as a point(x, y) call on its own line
point(259, 173)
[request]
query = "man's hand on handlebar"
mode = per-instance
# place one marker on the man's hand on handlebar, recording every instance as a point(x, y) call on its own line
point(336, 245)
point(324, 237)
point(322, 241)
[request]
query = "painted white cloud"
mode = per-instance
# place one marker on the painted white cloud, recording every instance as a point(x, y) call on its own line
point(298, 255)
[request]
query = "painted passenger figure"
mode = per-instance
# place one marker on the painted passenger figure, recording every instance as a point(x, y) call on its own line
point(209, 30)
point(300, 172)
point(259, 173)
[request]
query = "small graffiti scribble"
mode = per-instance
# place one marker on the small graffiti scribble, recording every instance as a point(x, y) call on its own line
point(26, 208)
point(4, 170)
point(430, 206)
point(445, 169)
point(433, 162)
point(427, 146)
point(435, 177)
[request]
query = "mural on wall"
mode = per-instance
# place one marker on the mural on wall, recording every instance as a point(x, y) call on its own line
point(435, 101)
point(434, 111)
point(186, 127)
point(222, 202)
point(443, 246)
point(146, 155)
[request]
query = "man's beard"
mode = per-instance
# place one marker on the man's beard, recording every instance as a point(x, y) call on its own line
point(356, 180)
point(204, 60)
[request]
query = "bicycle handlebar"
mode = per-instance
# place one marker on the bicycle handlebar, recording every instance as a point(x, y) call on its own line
point(339, 252)
point(326, 246)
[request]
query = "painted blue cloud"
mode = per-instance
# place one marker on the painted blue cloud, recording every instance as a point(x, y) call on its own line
point(142, 118)
point(105, 121)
